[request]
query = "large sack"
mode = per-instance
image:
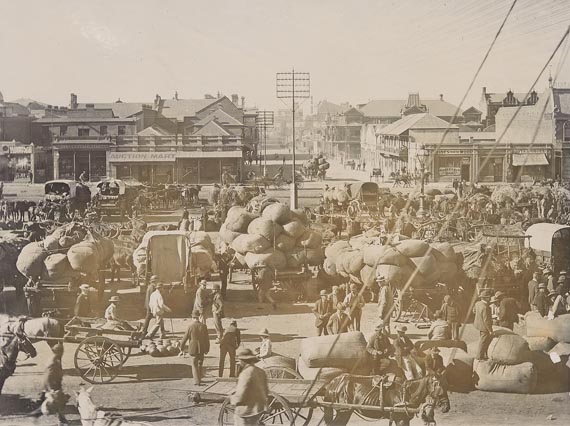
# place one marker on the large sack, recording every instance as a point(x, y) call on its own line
point(333, 250)
point(551, 377)
point(346, 350)
point(391, 273)
point(294, 229)
point(202, 260)
point(310, 239)
point(557, 329)
point(354, 263)
point(278, 213)
point(84, 257)
point(329, 266)
point(539, 343)
point(391, 256)
point(446, 250)
point(276, 360)
point(426, 265)
point(271, 258)
point(494, 377)
point(413, 248)
point(459, 369)
point(368, 276)
point(301, 216)
point(371, 254)
point(285, 243)
point(51, 243)
point(201, 238)
point(57, 266)
point(30, 262)
point(265, 228)
point(228, 236)
point(254, 243)
point(322, 374)
point(239, 221)
point(508, 349)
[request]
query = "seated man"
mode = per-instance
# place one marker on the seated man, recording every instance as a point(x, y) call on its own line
point(265, 348)
point(403, 348)
point(380, 348)
point(433, 361)
point(440, 329)
point(113, 321)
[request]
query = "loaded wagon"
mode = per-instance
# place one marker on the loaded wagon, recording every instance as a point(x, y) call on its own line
point(551, 242)
point(116, 196)
point(65, 190)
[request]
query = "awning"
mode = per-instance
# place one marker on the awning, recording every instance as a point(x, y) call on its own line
point(530, 160)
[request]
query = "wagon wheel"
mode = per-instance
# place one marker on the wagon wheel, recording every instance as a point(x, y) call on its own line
point(126, 350)
point(278, 412)
point(98, 359)
point(301, 415)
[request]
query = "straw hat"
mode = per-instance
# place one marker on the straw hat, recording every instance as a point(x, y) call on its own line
point(84, 286)
point(264, 332)
point(323, 293)
point(114, 299)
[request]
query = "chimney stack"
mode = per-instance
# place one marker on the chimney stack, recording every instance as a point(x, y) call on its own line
point(441, 96)
point(235, 99)
point(157, 102)
point(73, 101)
point(243, 102)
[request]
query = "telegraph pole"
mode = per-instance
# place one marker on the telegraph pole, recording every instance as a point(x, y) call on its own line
point(293, 85)
point(265, 120)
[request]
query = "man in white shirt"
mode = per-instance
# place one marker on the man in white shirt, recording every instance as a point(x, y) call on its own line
point(158, 309)
point(264, 350)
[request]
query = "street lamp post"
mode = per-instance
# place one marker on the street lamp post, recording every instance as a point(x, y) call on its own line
point(422, 156)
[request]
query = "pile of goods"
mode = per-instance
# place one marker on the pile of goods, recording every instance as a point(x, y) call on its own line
point(364, 257)
point(330, 356)
point(11, 244)
point(337, 195)
point(71, 250)
point(161, 348)
point(276, 238)
point(316, 164)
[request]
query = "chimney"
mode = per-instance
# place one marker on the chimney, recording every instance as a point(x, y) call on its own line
point(157, 102)
point(73, 101)
point(243, 102)
point(176, 95)
point(484, 90)
point(441, 97)
point(235, 99)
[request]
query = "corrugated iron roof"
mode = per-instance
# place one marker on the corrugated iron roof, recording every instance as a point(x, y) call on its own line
point(415, 121)
point(221, 117)
point(211, 129)
point(120, 109)
point(180, 108)
point(393, 108)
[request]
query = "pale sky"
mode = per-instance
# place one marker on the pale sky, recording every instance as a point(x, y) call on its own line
point(355, 50)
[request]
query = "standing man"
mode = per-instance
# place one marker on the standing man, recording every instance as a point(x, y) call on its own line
point(228, 346)
point(202, 301)
point(83, 177)
point(338, 322)
point(385, 302)
point(218, 311)
point(149, 290)
point(548, 279)
point(509, 310)
point(251, 392)
point(541, 302)
point(322, 311)
point(355, 303)
point(336, 297)
point(451, 313)
point(82, 305)
point(158, 309)
point(32, 292)
point(403, 348)
point(198, 345)
point(224, 269)
point(380, 348)
point(533, 289)
point(484, 323)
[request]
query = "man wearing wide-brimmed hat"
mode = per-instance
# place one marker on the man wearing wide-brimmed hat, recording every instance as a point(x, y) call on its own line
point(252, 391)
point(338, 322)
point(322, 311)
point(198, 345)
point(484, 323)
point(218, 310)
point(149, 290)
point(385, 301)
point(541, 302)
point(355, 303)
point(231, 340)
point(265, 349)
point(380, 348)
point(82, 305)
point(433, 360)
point(158, 309)
point(203, 300)
point(509, 309)
point(403, 348)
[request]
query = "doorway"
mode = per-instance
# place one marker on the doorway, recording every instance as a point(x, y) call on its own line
point(465, 172)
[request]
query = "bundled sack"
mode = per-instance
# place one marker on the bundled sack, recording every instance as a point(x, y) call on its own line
point(459, 369)
point(413, 248)
point(238, 219)
point(202, 259)
point(329, 266)
point(301, 257)
point(346, 350)
point(201, 238)
point(551, 377)
point(254, 243)
point(30, 262)
point(311, 240)
point(301, 216)
point(271, 258)
point(278, 213)
point(509, 349)
point(493, 377)
point(367, 276)
point(51, 243)
point(557, 329)
point(539, 343)
point(57, 266)
point(325, 374)
point(88, 256)
point(284, 242)
point(294, 229)
point(265, 228)
point(335, 249)
point(226, 235)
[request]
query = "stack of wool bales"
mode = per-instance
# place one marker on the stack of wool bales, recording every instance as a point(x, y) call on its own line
point(333, 355)
point(69, 251)
point(278, 238)
point(11, 244)
point(336, 195)
point(202, 250)
point(363, 257)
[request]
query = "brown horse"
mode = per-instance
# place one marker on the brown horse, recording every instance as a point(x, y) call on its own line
point(10, 345)
point(421, 395)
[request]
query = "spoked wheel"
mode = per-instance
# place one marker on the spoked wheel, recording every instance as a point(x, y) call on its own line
point(98, 359)
point(126, 350)
point(278, 412)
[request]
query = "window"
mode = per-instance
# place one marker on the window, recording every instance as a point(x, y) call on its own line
point(62, 130)
point(122, 130)
point(103, 130)
point(83, 133)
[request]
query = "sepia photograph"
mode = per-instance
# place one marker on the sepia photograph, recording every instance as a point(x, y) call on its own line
point(285, 212)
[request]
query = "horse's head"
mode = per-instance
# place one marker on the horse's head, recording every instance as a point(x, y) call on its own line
point(24, 344)
point(438, 392)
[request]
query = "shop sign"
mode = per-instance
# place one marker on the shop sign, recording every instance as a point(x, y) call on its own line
point(449, 171)
point(80, 146)
point(140, 157)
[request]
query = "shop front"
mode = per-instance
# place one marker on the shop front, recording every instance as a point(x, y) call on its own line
point(70, 160)
point(528, 167)
point(146, 167)
point(450, 165)
point(203, 167)
point(16, 162)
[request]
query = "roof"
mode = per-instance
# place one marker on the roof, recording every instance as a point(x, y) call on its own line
point(325, 107)
point(153, 131)
point(180, 108)
point(416, 121)
point(211, 129)
point(393, 108)
point(66, 119)
point(500, 96)
point(16, 109)
point(221, 117)
point(120, 109)
point(472, 110)
point(541, 235)
point(562, 100)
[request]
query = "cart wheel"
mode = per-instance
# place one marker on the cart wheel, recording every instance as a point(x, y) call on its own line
point(126, 350)
point(278, 412)
point(397, 309)
point(98, 359)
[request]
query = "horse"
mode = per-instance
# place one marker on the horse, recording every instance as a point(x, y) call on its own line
point(10, 346)
point(91, 415)
point(422, 394)
point(34, 328)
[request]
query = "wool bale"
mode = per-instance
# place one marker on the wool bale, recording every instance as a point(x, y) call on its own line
point(426, 265)
point(368, 276)
point(271, 258)
point(301, 216)
point(551, 377)
point(285, 243)
point(238, 219)
point(446, 250)
point(391, 273)
point(265, 228)
point(294, 229)
point(459, 369)
point(51, 243)
point(329, 266)
point(66, 242)
point(203, 239)
point(355, 263)
point(84, 257)
point(339, 264)
point(228, 236)
point(494, 377)
point(539, 343)
point(372, 254)
point(508, 349)
point(276, 360)
point(57, 266)
point(250, 243)
point(557, 329)
point(202, 260)
point(333, 250)
point(240, 259)
point(321, 374)
point(391, 256)
point(326, 351)
point(30, 262)
point(310, 239)
point(413, 248)
point(278, 213)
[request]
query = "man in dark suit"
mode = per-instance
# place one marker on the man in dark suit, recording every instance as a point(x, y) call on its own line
point(533, 289)
point(322, 311)
point(228, 346)
point(484, 323)
point(380, 349)
point(198, 345)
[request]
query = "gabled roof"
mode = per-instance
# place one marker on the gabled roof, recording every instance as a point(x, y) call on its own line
point(417, 122)
point(499, 96)
point(180, 108)
point(153, 131)
point(120, 109)
point(221, 117)
point(325, 107)
point(472, 110)
point(211, 129)
point(393, 108)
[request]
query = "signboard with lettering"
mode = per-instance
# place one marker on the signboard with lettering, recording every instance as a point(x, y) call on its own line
point(140, 157)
